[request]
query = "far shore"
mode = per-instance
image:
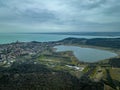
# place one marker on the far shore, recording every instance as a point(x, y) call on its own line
point(97, 47)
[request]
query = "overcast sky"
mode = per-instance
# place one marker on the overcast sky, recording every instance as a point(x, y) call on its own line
point(59, 15)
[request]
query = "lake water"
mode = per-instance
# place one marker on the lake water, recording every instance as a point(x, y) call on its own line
point(86, 54)
point(8, 38)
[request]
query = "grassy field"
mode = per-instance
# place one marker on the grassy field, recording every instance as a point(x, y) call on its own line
point(64, 61)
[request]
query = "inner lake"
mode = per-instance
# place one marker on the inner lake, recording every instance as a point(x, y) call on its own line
point(86, 54)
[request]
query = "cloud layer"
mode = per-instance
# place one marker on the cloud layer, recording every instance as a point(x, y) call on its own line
point(59, 15)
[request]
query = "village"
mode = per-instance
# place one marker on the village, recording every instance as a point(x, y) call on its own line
point(10, 52)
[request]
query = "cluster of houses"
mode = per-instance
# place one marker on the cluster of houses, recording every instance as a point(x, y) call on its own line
point(10, 52)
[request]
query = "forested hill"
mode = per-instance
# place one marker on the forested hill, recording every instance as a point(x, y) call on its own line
point(28, 76)
point(102, 42)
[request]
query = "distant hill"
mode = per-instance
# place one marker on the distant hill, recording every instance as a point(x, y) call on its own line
point(103, 42)
point(86, 33)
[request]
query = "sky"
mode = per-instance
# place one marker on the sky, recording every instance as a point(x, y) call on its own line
point(59, 15)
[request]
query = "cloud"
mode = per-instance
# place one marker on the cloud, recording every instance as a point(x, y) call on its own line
point(69, 15)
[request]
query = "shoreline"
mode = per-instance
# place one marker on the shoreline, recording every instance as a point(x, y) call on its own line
point(92, 47)
point(52, 44)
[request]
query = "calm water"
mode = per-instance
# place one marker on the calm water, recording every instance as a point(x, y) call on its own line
point(86, 54)
point(8, 38)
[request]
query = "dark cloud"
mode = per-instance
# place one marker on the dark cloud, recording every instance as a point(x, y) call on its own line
point(87, 4)
point(58, 14)
point(40, 16)
point(1, 4)
point(114, 11)
point(96, 4)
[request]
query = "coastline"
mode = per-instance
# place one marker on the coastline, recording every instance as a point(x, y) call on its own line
point(55, 43)
point(91, 47)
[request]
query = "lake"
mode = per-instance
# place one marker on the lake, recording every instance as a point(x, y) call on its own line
point(86, 54)
point(23, 37)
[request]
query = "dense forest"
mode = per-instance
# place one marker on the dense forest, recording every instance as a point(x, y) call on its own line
point(29, 76)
